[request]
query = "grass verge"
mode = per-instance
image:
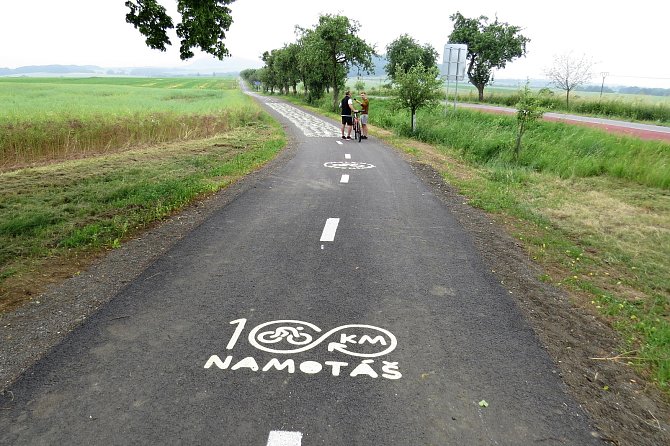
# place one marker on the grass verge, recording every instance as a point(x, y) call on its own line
point(55, 217)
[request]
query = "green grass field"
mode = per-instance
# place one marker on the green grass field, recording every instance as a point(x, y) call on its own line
point(59, 118)
point(111, 157)
point(642, 108)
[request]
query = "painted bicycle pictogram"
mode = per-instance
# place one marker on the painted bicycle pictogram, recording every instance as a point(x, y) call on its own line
point(353, 165)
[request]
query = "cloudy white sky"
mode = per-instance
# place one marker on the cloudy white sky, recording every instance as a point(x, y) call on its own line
point(628, 40)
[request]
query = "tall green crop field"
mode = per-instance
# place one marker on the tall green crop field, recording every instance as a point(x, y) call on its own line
point(56, 118)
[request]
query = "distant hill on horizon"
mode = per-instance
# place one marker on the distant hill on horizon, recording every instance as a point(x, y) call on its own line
point(55, 69)
point(233, 66)
point(227, 66)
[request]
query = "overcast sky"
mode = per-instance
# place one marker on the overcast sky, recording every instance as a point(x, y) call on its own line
point(629, 40)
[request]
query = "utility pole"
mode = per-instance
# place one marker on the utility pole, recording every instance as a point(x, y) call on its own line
point(604, 74)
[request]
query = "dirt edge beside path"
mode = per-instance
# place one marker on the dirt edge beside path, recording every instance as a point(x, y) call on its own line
point(625, 408)
point(30, 331)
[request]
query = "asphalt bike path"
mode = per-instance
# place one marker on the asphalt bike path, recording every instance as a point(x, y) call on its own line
point(338, 302)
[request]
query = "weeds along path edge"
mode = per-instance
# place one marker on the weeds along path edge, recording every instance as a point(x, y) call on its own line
point(66, 212)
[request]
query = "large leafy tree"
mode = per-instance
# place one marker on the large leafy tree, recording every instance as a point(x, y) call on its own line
point(270, 74)
point(334, 41)
point(288, 67)
point(490, 46)
point(312, 65)
point(405, 52)
point(416, 88)
point(252, 76)
point(204, 25)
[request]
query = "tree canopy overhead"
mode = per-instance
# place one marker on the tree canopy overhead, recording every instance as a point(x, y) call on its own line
point(490, 45)
point(204, 25)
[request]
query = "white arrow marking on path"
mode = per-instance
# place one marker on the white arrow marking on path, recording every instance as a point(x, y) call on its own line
point(344, 179)
point(339, 142)
point(347, 156)
point(328, 234)
point(284, 438)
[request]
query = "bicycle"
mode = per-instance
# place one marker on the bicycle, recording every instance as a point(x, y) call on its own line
point(357, 125)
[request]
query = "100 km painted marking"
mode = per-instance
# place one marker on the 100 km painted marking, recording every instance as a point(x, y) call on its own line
point(291, 337)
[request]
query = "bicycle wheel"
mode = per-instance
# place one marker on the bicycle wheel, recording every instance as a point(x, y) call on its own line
point(357, 131)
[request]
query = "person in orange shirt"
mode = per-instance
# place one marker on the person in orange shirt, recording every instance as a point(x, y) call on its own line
point(365, 104)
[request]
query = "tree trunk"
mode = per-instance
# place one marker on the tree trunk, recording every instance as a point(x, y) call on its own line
point(517, 148)
point(336, 88)
point(567, 99)
point(480, 89)
point(413, 120)
point(336, 99)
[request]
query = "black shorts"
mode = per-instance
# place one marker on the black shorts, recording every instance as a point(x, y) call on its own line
point(347, 120)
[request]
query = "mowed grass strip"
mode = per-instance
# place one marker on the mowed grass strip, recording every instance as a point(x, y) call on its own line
point(84, 206)
point(592, 208)
point(51, 119)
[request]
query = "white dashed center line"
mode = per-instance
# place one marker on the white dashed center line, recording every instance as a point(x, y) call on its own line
point(328, 234)
point(344, 179)
point(284, 438)
point(347, 156)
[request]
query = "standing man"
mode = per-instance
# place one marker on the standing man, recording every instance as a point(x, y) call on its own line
point(365, 104)
point(346, 107)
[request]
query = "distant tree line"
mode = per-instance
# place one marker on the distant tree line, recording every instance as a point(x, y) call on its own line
point(320, 59)
point(323, 56)
point(628, 90)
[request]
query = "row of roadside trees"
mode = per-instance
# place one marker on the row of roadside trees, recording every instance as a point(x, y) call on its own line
point(320, 59)
point(323, 55)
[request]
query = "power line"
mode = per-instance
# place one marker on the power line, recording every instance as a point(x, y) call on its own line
point(640, 77)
